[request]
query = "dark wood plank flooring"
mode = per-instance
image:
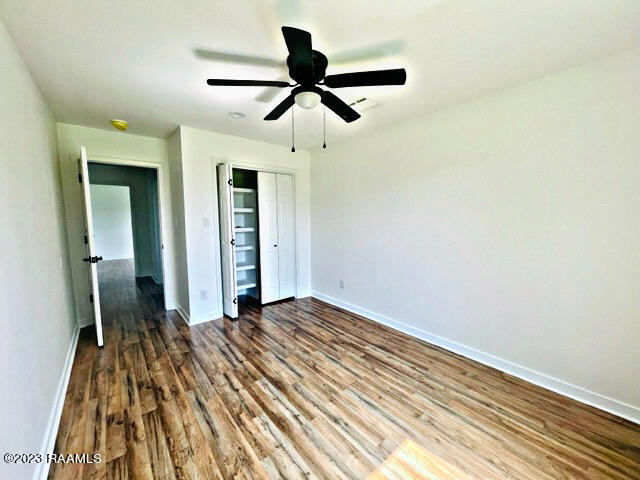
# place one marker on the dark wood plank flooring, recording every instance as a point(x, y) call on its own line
point(303, 390)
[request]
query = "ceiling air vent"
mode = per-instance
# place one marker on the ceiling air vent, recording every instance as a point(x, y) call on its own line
point(363, 104)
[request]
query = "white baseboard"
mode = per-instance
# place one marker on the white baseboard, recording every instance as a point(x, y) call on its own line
point(183, 314)
point(204, 317)
point(169, 306)
point(84, 322)
point(611, 405)
point(54, 418)
point(197, 319)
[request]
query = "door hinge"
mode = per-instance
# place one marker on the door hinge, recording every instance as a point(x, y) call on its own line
point(162, 246)
point(80, 177)
point(91, 297)
point(86, 240)
point(233, 241)
point(235, 300)
point(230, 182)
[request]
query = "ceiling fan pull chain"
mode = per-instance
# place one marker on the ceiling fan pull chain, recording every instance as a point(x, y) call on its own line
point(293, 132)
point(324, 127)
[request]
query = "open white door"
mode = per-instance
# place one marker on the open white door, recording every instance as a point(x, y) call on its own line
point(227, 241)
point(268, 226)
point(91, 258)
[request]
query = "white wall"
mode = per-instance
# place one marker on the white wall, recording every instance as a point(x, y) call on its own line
point(508, 224)
point(199, 152)
point(111, 208)
point(36, 300)
point(104, 145)
point(174, 149)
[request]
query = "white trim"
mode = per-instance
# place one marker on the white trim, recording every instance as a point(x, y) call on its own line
point(54, 418)
point(205, 317)
point(183, 314)
point(611, 405)
point(84, 322)
point(198, 319)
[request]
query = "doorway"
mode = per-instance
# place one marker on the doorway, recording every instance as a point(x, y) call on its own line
point(127, 235)
point(257, 236)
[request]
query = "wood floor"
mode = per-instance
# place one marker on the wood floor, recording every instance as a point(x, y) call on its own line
point(303, 390)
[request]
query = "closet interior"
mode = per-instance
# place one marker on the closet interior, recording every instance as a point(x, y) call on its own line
point(245, 219)
point(257, 236)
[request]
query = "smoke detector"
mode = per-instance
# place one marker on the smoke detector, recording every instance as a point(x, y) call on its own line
point(362, 104)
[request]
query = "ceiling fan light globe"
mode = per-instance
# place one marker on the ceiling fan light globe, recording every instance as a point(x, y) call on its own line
point(307, 100)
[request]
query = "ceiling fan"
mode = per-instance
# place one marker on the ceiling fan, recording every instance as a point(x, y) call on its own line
point(307, 67)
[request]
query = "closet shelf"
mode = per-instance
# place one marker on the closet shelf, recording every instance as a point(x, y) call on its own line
point(241, 248)
point(245, 286)
point(244, 210)
point(240, 267)
point(243, 190)
point(245, 229)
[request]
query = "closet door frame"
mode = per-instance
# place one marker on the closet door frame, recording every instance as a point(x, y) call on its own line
point(257, 168)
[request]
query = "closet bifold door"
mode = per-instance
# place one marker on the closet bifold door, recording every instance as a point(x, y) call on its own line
point(268, 230)
point(227, 241)
point(286, 237)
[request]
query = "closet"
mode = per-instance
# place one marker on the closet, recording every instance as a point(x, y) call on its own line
point(257, 236)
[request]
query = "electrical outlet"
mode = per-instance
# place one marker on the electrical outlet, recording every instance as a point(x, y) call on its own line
point(341, 283)
point(203, 294)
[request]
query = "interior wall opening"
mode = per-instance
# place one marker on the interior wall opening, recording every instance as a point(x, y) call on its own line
point(127, 232)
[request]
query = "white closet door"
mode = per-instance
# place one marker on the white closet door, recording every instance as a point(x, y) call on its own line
point(268, 227)
point(286, 237)
point(227, 241)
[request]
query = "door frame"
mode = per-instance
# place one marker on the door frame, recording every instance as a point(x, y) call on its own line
point(162, 205)
point(258, 167)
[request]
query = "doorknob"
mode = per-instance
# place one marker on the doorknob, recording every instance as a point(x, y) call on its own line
point(92, 259)
point(275, 245)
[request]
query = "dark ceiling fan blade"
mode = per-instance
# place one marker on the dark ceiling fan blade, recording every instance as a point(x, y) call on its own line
point(338, 107)
point(282, 107)
point(246, 83)
point(238, 58)
point(396, 76)
point(299, 46)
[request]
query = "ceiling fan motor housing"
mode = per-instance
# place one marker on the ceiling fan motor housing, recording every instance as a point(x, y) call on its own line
point(302, 76)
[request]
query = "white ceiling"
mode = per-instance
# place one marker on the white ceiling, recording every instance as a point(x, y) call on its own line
point(135, 59)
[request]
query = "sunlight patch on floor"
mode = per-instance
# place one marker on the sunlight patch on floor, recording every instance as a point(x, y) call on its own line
point(411, 461)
